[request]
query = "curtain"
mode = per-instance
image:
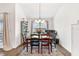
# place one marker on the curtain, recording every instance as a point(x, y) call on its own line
point(6, 40)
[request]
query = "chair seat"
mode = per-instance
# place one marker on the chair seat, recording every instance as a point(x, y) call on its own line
point(35, 43)
point(34, 40)
point(44, 42)
point(45, 45)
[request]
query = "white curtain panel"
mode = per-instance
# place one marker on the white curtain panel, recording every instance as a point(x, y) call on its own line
point(6, 39)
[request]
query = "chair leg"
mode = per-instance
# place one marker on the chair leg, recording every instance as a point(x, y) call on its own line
point(55, 44)
point(38, 49)
point(41, 49)
point(23, 45)
point(48, 50)
point(51, 47)
point(31, 49)
point(27, 47)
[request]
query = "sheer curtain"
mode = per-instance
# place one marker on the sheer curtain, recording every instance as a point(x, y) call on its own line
point(6, 40)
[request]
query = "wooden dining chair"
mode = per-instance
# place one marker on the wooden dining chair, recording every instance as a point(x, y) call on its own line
point(34, 41)
point(24, 41)
point(45, 41)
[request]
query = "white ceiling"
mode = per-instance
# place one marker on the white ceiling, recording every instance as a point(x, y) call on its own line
point(46, 9)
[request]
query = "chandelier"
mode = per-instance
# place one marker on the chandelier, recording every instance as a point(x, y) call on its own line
point(39, 20)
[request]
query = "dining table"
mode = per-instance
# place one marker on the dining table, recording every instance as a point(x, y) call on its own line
point(28, 42)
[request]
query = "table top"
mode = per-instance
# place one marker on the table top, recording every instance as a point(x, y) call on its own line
point(37, 39)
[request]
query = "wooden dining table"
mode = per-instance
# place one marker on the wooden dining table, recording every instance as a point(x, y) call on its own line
point(28, 42)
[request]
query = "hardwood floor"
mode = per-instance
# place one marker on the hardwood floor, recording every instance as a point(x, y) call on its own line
point(19, 51)
point(63, 51)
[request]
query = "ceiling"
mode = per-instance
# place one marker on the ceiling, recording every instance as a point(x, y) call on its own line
point(46, 9)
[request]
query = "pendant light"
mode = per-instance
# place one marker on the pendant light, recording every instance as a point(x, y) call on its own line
point(39, 11)
point(40, 19)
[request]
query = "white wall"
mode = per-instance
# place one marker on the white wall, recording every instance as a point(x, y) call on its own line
point(10, 9)
point(75, 39)
point(67, 15)
point(19, 14)
point(46, 9)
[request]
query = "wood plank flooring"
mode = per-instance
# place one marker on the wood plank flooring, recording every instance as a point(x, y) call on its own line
point(19, 51)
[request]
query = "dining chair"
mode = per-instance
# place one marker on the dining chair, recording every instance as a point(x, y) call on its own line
point(24, 41)
point(54, 34)
point(46, 42)
point(35, 41)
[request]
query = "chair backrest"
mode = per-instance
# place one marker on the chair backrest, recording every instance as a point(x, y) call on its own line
point(34, 36)
point(23, 38)
point(54, 34)
point(34, 39)
point(45, 37)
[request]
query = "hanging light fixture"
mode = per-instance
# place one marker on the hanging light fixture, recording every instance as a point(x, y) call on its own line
point(39, 15)
point(39, 11)
point(40, 20)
